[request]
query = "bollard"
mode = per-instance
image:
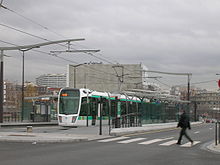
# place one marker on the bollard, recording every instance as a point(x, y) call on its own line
point(218, 132)
point(29, 129)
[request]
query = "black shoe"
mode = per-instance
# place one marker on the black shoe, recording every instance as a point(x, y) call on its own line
point(178, 143)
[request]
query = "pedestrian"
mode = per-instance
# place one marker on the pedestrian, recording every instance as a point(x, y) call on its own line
point(184, 124)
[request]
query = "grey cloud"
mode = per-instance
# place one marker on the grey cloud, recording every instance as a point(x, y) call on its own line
point(171, 35)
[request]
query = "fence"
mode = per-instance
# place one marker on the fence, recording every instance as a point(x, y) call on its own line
point(128, 120)
point(11, 116)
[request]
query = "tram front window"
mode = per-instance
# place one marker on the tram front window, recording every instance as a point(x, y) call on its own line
point(69, 102)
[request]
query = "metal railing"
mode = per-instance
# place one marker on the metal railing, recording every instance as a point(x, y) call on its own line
point(128, 120)
point(11, 117)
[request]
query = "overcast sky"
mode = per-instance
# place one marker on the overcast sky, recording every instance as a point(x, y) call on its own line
point(165, 35)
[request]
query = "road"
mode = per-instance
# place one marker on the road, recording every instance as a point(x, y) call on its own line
point(155, 147)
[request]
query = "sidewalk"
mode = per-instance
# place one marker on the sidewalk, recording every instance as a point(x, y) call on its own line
point(11, 132)
point(66, 135)
point(213, 147)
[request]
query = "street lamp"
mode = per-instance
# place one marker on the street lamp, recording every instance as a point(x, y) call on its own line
point(75, 66)
point(74, 51)
point(22, 84)
point(218, 97)
point(1, 88)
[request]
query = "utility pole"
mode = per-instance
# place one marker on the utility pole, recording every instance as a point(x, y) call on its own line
point(26, 47)
point(1, 88)
point(178, 74)
point(119, 76)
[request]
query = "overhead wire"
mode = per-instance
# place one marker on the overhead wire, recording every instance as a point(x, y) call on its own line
point(21, 31)
point(49, 40)
point(24, 32)
point(46, 28)
point(30, 20)
point(204, 82)
point(27, 33)
point(54, 55)
point(113, 61)
point(162, 83)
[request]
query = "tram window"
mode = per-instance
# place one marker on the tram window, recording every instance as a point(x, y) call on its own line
point(93, 106)
point(105, 107)
point(113, 108)
point(123, 108)
point(84, 107)
point(69, 102)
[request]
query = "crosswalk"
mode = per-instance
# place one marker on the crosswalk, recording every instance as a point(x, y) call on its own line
point(167, 141)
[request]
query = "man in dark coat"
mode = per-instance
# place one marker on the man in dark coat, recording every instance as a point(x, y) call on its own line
point(184, 124)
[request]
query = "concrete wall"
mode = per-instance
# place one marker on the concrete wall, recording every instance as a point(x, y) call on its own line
point(105, 77)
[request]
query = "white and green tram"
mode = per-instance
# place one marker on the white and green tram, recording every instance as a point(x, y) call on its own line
point(79, 107)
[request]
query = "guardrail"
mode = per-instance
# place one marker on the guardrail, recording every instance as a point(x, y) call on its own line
point(128, 120)
point(217, 133)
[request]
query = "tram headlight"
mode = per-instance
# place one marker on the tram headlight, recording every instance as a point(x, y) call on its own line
point(74, 119)
point(60, 119)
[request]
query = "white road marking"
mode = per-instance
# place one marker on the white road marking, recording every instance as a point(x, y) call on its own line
point(168, 143)
point(189, 144)
point(154, 141)
point(113, 139)
point(196, 132)
point(131, 140)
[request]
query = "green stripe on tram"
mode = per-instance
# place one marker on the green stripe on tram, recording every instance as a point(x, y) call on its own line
point(95, 96)
point(90, 118)
point(112, 98)
point(84, 117)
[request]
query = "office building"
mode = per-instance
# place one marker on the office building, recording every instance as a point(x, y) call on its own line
point(52, 80)
point(106, 77)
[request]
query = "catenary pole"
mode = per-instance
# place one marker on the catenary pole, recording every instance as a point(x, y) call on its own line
point(1, 88)
point(2, 49)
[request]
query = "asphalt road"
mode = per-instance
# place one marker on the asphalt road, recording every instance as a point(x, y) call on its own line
point(156, 147)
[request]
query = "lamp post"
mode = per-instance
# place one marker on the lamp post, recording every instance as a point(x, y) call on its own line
point(22, 84)
point(218, 100)
point(74, 51)
point(1, 88)
point(74, 72)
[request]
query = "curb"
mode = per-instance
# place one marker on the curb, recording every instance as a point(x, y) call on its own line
point(33, 141)
point(40, 138)
point(146, 128)
point(8, 125)
point(213, 148)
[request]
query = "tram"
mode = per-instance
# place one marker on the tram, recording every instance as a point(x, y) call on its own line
point(78, 107)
